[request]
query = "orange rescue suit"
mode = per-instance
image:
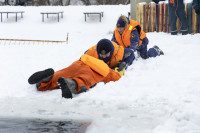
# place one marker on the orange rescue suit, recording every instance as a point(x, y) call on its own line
point(125, 39)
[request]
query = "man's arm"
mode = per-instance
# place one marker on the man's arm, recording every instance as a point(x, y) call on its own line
point(127, 59)
point(112, 76)
point(135, 38)
point(128, 56)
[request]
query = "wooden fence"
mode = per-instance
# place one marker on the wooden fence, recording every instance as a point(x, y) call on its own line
point(154, 17)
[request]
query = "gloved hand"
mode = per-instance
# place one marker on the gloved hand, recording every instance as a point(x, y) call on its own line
point(122, 65)
point(133, 48)
point(120, 72)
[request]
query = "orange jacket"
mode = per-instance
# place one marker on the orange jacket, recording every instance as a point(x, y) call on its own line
point(117, 55)
point(125, 39)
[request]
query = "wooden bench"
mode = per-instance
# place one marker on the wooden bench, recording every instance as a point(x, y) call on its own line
point(47, 13)
point(95, 13)
point(13, 12)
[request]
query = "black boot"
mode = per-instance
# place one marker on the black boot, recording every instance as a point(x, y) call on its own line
point(159, 51)
point(68, 86)
point(41, 76)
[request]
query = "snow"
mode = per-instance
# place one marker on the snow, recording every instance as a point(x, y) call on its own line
point(158, 95)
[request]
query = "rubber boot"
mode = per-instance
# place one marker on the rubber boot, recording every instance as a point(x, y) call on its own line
point(41, 76)
point(68, 86)
point(159, 51)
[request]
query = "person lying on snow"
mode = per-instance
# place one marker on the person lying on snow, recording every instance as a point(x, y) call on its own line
point(128, 33)
point(106, 61)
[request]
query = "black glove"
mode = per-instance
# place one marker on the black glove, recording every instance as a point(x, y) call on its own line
point(122, 65)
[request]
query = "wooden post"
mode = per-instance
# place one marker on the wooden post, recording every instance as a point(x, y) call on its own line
point(67, 38)
point(134, 7)
point(160, 17)
point(152, 17)
point(146, 17)
point(165, 17)
point(141, 16)
point(138, 13)
point(194, 22)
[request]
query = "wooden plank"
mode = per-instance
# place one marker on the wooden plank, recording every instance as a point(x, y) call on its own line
point(160, 17)
point(32, 40)
point(147, 17)
point(141, 16)
point(144, 18)
point(165, 17)
point(152, 17)
point(194, 22)
point(158, 22)
point(168, 21)
point(138, 13)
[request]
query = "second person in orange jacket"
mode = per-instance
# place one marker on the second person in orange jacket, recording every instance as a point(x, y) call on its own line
point(128, 33)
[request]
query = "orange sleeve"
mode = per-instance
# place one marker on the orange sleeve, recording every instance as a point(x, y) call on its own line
point(112, 76)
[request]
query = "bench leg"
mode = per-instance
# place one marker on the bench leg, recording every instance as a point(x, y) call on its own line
point(42, 17)
point(100, 17)
point(7, 15)
point(85, 17)
point(16, 17)
point(58, 17)
point(1, 17)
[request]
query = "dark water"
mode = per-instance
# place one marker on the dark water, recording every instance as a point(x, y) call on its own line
point(41, 126)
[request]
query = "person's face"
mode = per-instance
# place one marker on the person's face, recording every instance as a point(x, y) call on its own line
point(104, 55)
point(121, 30)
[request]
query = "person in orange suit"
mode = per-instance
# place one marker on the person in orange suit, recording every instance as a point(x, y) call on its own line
point(106, 61)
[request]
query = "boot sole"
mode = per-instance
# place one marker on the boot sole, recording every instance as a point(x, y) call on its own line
point(66, 93)
point(161, 52)
point(39, 76)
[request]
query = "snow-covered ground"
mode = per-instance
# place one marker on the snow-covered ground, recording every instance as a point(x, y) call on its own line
point(158, 95)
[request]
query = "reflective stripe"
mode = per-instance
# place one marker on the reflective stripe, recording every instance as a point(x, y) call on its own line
point(130, 28)
point(184, 30)
point(174, 31)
